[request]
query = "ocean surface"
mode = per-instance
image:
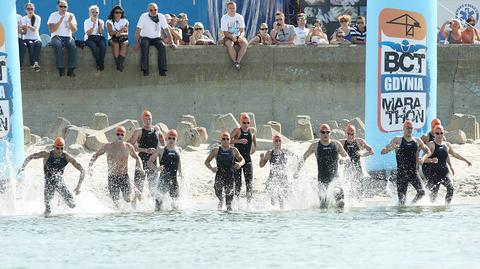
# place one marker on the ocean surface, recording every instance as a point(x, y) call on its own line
point(371, 232)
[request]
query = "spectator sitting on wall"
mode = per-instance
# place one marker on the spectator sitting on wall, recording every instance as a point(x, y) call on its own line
point(21, 30)
point(149, 33)
point(233, 27)
point(470, 34)
point(117, 27)
point(316, 36)
point(31, 38)
point(282, 33)
point(62, 24)
point(94, 39)
point(172, 21)
point(301, 31)
point(454, 35)
point(201, 36)
point(263, 38)
point(344, 21)
point(359, 31)
point(187, 30)
point(340, 38)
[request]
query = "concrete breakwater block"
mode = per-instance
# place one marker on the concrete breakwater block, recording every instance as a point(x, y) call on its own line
point(456, 137)
point(337, 134)
point(202, 131)
point(188, 135)
point(226, 122)
point(34, 139)
point(58, 128)
point(99, 121)
point(27, 135)
point(466, 123)
point(75, 149)
point(163, 129)
point(277, 126)
point(77, 135)
point(303, 128)
point(189, 118)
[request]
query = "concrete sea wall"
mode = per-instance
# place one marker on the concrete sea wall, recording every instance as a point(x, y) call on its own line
point(276, 83)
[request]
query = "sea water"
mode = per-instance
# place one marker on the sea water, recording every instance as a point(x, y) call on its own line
point(369, 233)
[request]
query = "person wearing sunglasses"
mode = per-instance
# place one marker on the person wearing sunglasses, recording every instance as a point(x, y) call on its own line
point(277, 182)
point(345, 27)
point(117, 28)
point(233, 26)
point(62, 24)
point(359, 31)
point(439, 160)
point(340, 38)
point(407, 148)
point(228, 160)
point(146, 141)
point(117, 160)
point(245, 140)
point(301, 31)
point(327, 152)
point(262, 38)
point(201, 36)
point(356, 148)
point(454, 35)
point(187, 30)
point(282, 33)
point(430, 136)
point(470, 34)
point(54, 163)
point(94, 39)
point(31, 25)
point(151, 28)
point(170, 166)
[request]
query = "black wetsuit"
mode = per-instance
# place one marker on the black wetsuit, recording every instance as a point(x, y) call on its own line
point(440, 174)
point(327, 163)
point(277, 183)
point(148, 139)
point(352, 149)
point(53, 170)
point(168, 177)
point(224, 178)
point(406, 157)
point(426, 167)
point(247, 167)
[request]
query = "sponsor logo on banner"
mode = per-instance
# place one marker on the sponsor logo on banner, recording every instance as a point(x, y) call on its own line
point(403, 75)
point(5, 88)
point(466, 11)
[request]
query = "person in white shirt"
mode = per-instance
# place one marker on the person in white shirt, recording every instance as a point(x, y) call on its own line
point(117, 27)
point(21, 44)
point(93, 27)
point(31, 38)
point(301, 31)
point(233, 27)
point(61, 25)
point(149, 33)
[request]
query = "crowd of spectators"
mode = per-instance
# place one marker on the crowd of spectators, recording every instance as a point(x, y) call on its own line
point(162, 30)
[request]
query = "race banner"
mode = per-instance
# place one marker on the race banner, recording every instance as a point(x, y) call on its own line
point(11, 117)
point(401, 72)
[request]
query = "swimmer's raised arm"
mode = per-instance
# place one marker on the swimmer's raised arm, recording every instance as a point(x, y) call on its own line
point(39, 155)
point(394, 144)
point(264, 157)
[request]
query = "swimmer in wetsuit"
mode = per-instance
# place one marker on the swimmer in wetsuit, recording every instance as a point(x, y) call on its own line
point(277, 182)
point(228, 159)
point(170, 165)
point(146, 141)
point(244, 139)
point(117, 160)
point(326, 151)
point(54, 163)
point(440, 162)
point(430, 136)
point(407, 150)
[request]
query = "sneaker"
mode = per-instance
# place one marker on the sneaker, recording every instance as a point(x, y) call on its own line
point(236, 65)
point(163, 73)
point(71, 72)
point(146, 73)
point(61, 71)
point(36, 67)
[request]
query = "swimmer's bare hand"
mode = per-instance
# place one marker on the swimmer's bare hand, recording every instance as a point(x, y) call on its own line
point(20, 170)
point(141, 172)
point(262, 155)
point(90, 172)
point(237, 166)
point(468, 163)
point(160, 168)
point(243, 141)
point(214, 169)
point(77, 190)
